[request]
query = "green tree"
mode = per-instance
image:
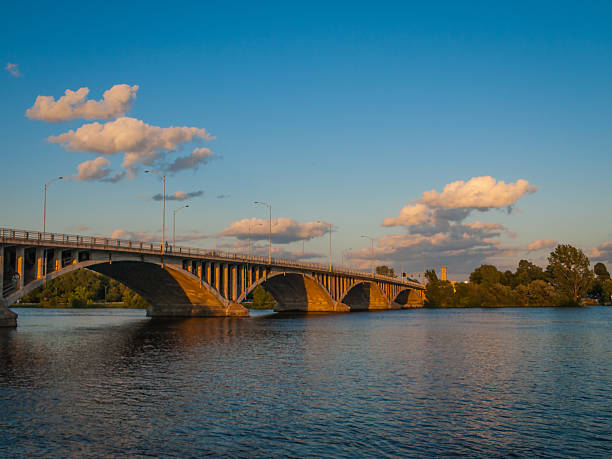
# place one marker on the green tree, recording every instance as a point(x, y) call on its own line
point(607, 291)
point(439, 294)
point(601, 271)
point(486, 274)
point(431, 276)
point(527, 272)
point(538, 293)
point(384, 270)
point(262, 299)
point(570, 271)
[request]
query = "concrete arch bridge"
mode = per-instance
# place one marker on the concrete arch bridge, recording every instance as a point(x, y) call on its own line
point(191, 282)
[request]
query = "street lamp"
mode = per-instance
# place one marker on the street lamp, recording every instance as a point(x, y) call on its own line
point(174, 223)
point(269, 229)
point(163, 177)
point(45, 203)
point(330, 241)
point(372, 251)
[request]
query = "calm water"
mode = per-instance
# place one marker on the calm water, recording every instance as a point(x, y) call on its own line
point(411, 383)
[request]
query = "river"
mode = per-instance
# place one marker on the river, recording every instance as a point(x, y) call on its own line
point(478, 382)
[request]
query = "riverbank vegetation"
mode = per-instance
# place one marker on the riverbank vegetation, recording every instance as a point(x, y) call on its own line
point(84, 289)
point(564, 282)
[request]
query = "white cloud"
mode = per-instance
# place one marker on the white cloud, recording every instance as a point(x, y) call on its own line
point(542, 244)
point(413, 214)
point(436, 231)
point(13, 69)
point(178, 196)
point(141, 142)
point(284, 230)
point(477, 193)
point(93, 170)
point(134, 235)
point(73, 104)
point(193, 161)
point(602, 252)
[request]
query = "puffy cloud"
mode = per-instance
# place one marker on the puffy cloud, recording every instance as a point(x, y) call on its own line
point(193, 161)
point(115, 178)
point(134, 235)
point(411, 215)
point(178, 196)
point(93, 170)
point(141, 142)
point(481, 193)
point(261, 250)
point(542, 244)
point(223, 196)
point(436, 231)
point(82, 228)
point(284, 230)
point(13, 69)
point(602, 252)
point(73, 104)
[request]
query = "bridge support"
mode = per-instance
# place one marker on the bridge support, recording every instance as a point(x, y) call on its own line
point(8, 318)
point(195, 310)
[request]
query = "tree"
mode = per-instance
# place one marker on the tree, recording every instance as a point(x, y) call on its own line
point(570, 271)
point(384, 270)
point(601, 271)
point(262, 299)
point(431, 275)
point(439, 294)
point(486, 274)
point(607, 291)
point(527, 272)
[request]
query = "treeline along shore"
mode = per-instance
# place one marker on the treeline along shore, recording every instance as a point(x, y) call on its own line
point(566, 281)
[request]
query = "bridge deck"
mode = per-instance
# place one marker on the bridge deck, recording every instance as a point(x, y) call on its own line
point(35, 238)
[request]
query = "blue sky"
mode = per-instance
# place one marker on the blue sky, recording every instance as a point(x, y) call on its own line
point(339, 112)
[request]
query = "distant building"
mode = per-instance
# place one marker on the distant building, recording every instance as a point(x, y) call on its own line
point(443, 274)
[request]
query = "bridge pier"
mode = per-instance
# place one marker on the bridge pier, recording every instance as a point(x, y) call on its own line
point(8, 318)
point(196, 310)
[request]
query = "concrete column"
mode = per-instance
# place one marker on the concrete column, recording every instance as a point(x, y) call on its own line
point(217, 283)
point(200, 270)
point(234, 282)
point(75, 256)
point(57, 259)
point(20, 260)
point(40, 263)
point(225, 272)
point(1, 270)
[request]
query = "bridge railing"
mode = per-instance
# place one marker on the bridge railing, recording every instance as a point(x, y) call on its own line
point(157, 248)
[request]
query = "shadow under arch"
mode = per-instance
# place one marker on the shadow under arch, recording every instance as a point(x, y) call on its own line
point(409, 297)
point(365, 295)
point(295, 292)
point(169, 290)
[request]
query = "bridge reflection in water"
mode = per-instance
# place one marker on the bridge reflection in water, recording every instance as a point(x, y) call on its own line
point(192, 282)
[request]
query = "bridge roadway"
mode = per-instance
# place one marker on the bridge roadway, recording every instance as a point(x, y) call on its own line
point(192, 282)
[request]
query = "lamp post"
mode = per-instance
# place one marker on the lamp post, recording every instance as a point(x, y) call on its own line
point(163, 177)
point(45, 203)
point(174, 224)
point(330, 242)
point(269, 229)
point(372, 251)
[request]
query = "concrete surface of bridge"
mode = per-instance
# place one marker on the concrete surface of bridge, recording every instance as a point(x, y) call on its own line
point(188, 282)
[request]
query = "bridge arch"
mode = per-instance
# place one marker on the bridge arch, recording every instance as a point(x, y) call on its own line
point(170, 290)
point(364, 295)
point(409, 297)
point(295, 291)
